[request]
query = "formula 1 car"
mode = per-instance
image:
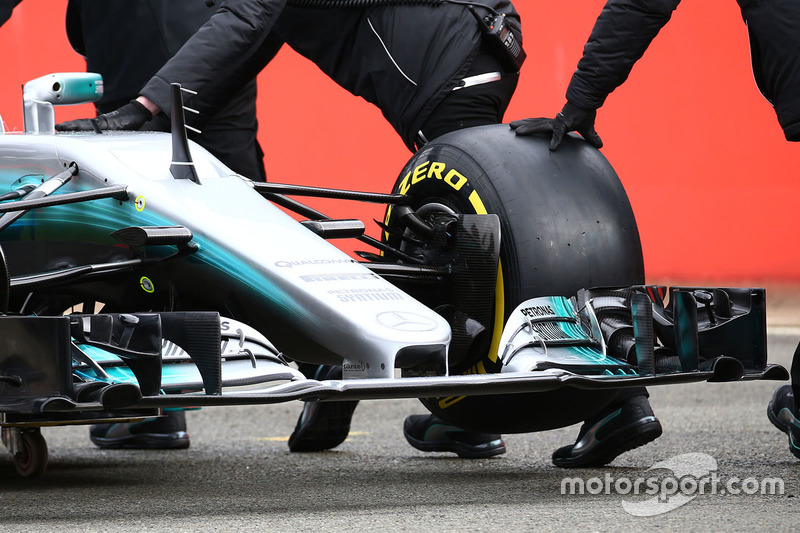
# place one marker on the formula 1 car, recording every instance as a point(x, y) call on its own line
point(140, 273)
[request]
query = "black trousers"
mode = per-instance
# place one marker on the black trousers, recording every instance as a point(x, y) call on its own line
point(478, 105)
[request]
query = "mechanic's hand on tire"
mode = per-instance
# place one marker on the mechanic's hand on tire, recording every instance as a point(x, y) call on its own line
point(571, 118)
point(128, 117)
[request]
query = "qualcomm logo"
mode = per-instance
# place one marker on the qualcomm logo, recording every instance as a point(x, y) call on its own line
point(405, 321)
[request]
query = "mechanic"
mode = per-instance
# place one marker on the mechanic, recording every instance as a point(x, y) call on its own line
point(430, 71)
point(433, 47)
point(127, 42)
point(625, 29)
point(621, 35)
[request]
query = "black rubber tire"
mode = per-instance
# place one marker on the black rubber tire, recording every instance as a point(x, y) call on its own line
point(566, 224)
point(34, 458)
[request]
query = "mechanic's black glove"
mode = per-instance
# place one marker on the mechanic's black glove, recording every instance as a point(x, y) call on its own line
point(128, 117)
point(571, 118)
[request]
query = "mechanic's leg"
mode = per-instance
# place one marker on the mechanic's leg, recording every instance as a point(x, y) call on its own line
point(481, 104)
point(783, 411)
point(322, 425)
point(429, 433)
point(475, 105)
point(325, 425)
point(155, 433)
point(161, 433)
point(626, 423)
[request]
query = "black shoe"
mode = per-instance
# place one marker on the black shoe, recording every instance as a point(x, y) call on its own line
point(159, 433)
point(781, 412)
point(429, 433)
point(616, 430)
point(323, 425)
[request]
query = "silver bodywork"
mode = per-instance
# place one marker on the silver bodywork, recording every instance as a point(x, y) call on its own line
point(240, 233)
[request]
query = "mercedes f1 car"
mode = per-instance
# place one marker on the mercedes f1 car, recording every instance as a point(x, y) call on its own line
point(140, 273)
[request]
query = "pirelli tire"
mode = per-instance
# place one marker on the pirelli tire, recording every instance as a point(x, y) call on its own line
point(566, 224)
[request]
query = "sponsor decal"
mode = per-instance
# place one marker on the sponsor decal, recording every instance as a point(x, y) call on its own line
point(307, 262)
point(405, 321)
point(538, 311)
point(367, 295)
point(340, 277)
point(433, 170)
point(354, 367)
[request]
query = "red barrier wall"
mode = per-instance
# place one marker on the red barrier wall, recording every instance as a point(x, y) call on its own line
point(712, 181)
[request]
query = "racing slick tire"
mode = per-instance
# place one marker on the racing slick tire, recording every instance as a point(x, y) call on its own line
point(565, 223)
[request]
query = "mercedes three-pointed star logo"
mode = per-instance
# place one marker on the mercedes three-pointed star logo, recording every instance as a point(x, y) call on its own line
point(405, 321)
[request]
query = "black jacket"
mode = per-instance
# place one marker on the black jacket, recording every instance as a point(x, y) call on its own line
point(152, 30)
point(625, 28)
point(6, 7)
point(403, 59)
point(128, 41)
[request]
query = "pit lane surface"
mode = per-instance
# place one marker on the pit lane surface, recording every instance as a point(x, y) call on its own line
point(239, 475)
